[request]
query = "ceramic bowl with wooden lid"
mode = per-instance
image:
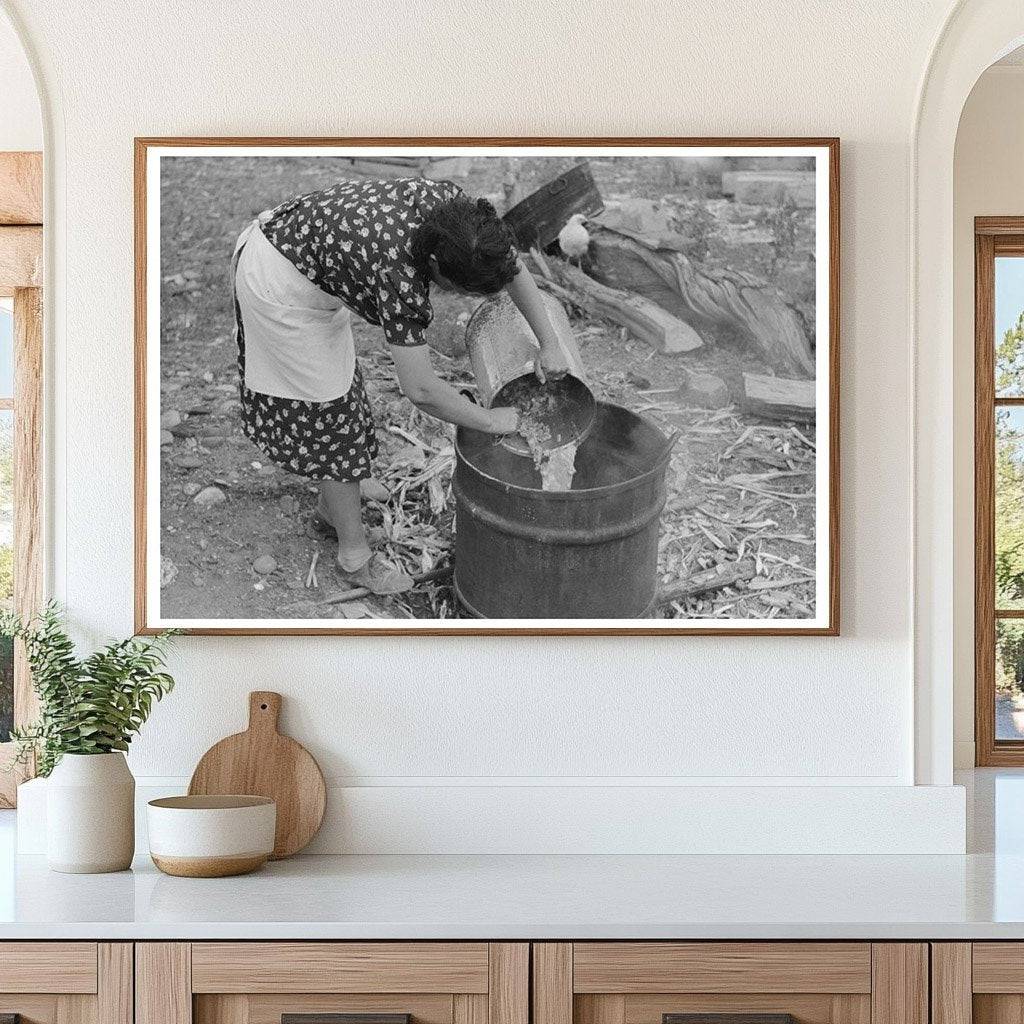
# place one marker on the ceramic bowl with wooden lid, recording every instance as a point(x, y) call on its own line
point(211, 836)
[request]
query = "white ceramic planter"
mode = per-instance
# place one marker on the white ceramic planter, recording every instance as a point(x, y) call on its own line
point(90, 814)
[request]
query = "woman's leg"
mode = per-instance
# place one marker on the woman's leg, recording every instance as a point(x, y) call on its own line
point(340, 501)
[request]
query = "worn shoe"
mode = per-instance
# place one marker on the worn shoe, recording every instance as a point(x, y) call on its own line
point(379, 576)
point(319, 527)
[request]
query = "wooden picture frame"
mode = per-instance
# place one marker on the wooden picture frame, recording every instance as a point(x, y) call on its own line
point(826, 617)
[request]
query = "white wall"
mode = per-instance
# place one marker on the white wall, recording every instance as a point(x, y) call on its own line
point(21, 125)
point(988, 181)
point(444, 714)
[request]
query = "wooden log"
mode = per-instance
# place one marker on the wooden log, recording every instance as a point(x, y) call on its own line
point(715, 578)
point(768, 187)
point(739, 303)
point(643, 319)
point(21, 188)
point(778, 398)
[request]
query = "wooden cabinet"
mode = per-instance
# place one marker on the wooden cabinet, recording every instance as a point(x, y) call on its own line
point(815, 982)
point(979, 982)
point(66, 982)
point(494, 983)
point(259, 982)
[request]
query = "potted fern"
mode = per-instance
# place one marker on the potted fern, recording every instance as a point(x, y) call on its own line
point(89, 709)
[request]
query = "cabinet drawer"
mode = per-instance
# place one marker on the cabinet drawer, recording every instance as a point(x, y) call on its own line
point(340, 967)
point(261, 982)
point(751, 982)
point(66, 982)
point(48, 967)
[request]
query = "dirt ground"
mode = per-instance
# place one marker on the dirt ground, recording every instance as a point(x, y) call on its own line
point(739, 488)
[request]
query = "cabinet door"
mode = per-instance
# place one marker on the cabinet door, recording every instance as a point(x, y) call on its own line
point(66, 982)
point(306, 982)
point(748, 982)
point(981, 982)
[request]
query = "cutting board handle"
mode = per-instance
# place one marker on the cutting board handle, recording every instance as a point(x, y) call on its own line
point(264, 710)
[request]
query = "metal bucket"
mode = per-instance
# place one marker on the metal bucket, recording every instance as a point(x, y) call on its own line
point(502, 349)
point(587, 553)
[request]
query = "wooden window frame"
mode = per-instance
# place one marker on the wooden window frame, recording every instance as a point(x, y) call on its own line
point(21, 269)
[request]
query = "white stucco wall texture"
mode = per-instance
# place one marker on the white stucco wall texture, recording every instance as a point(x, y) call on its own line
point(436, 715)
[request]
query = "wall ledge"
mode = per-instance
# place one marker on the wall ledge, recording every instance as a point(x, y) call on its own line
point(600, 819)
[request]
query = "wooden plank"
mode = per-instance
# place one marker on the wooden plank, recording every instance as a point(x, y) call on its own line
point(851, 1009)
point(999, 225)
point(467, 1008)
point(998, 967)
point(76, 1009)
point(722, 967)
point(339, 967)
point(115, 983)
point(28, 481)
point(899, 983)
point(761, 187)
point(814, 1008)
point(21, 188)
point(600, 1009)
point(984, 503)
point(65, 967)
point(951, 983)
point(21, 258)
point(779, 398)
point(228, 1009)
point(552, 983)
point(163, 983)
point(644, 319)
point(508, 988)
point(997, 1009)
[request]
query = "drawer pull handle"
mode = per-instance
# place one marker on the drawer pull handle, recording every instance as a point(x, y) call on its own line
point(728, 1018)
point(341, 1018)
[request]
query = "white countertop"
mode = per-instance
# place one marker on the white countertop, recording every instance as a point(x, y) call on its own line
point(532, 897)
point(978, 896)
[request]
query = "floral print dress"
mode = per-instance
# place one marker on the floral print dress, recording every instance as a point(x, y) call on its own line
point(353, 240)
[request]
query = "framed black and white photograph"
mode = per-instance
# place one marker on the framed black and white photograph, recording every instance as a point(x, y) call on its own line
point(433, 386)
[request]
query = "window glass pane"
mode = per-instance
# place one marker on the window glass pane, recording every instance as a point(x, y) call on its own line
point(6, 567)
point(1009, 485)
point(1009, 679)
point(1009, 323)
point(6, 348)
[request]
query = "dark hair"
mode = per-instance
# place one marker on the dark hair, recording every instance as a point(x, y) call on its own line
point(473, 246)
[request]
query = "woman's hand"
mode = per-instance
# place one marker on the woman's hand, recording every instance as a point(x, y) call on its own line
point(550, 364)
point(503, 421)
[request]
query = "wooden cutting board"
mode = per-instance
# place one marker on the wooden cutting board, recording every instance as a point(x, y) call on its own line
point(262, 762)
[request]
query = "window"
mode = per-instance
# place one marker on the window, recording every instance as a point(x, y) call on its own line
point(21, 366)
point(999, 490)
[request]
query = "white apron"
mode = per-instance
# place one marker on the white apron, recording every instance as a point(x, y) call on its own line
point(298, 339)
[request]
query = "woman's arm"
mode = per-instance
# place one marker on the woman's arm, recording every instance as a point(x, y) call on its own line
point(523, 291)
point(428, 392)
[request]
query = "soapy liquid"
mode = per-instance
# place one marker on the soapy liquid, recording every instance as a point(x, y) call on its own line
point(556, 467)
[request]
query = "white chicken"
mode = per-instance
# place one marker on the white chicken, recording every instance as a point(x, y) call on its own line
point(574, 239)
